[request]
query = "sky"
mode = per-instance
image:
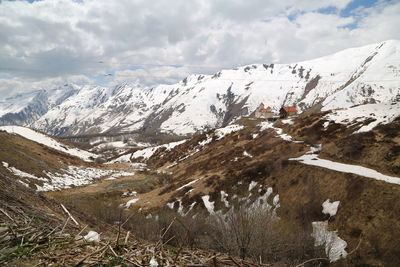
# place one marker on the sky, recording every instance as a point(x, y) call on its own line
point(48, 43)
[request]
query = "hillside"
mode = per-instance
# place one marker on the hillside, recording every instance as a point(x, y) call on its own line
point(38, 230)
point(324, 181)
point(368, 74)
point(188, 166)
point(43, 163)
point(334, 176)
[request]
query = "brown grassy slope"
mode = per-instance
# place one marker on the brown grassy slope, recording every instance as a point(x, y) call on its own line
point(369, 209)
point(33, 158)
point(378, 149)
point(34, 231)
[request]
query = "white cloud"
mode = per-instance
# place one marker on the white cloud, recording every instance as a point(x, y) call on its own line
point(152, 75)
point(17, 85)
point(59, 39)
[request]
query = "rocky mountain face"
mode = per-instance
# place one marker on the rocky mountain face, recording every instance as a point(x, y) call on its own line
point(25, 109)
point(355, 76)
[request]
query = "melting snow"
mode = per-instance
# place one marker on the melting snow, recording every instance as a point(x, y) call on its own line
point(206, 141)
point(22, 174)
point(92, 236)
point(73, 176)
point(275, 201)
point(153, 262)
point(252, 185)
point(128, 194)
point(223, 199)
point(222, 132)
point(131, 202)
point(314, 160)
point(265, 125)
point(148, 152)
point(208, 204)
point(287, 121)
point(25, 184)
point(188, 184)
point(330, 207)
point(334, 245)
point(268, 125)
point(381, 113)
point(246, 154)
point(67, 178)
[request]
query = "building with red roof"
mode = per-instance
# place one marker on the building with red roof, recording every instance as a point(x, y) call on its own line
point(287, 111)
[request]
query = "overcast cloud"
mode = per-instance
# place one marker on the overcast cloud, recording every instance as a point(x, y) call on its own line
point(52, 42)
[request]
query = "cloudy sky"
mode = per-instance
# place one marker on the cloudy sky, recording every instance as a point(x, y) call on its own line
point(52, 42)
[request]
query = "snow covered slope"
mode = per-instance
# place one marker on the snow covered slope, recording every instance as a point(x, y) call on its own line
point(363, 75)
point(48, 141)
point(24, 109)
point(366, 117)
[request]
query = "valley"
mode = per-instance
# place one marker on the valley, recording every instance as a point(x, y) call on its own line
point(290, 168)
point(261, 165)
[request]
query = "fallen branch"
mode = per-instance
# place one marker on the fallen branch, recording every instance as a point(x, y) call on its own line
point(83, 229)
point(69, 214)
point(91, 254)
point(65, 224)
point(354, 250)
point(234, 261)
point(311, 260)
point(126, 237)
point(8, 216)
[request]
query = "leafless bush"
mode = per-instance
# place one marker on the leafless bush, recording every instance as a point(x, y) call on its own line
point(250, 232)
point(255, 232)
point(240, 231)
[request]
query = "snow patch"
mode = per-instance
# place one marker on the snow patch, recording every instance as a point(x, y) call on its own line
point(334, 245)
point(222, 132)
point(330, 207)
point(224, 198)
point(269, 125)
point(206, 141)
point(131, 202)
point(288, 121)
point(148, 152)
point(382, 113)
point(22, 174)
point(252, 185)
point(314, 160)
point(153, 262)
point(188, 184)
point(73, 176)
point(246, 154)
point(92, 236)
point(208, 204)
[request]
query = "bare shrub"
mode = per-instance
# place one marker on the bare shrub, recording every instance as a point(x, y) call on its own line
point(242, 230)
point(248, 231)
point(255, 232)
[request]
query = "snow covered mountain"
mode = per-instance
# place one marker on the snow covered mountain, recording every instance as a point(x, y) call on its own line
point(369, 74)
point(24, 109)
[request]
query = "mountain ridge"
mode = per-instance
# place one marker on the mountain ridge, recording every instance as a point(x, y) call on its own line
point(368, 74)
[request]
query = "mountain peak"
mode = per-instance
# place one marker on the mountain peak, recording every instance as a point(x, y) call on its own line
point(354, 76)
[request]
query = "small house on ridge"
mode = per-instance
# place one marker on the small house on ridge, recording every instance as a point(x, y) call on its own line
point(287, 111)
point(264, 113)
